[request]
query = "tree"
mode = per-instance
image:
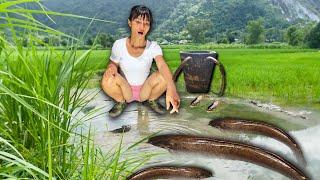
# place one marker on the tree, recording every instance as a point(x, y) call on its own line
point(232, 36)
point(89, 41)
point(25, 41)
point(295, 36)
point(64, 42)
point(105, 40)
point(312, 39)
point(52, 40)
point(275, 35)
point(46, 40)
point(255, 30)
point(197, 28)
point(121, 33)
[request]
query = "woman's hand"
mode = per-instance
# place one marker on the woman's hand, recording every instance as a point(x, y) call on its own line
point(172, 97)
point(112, 70)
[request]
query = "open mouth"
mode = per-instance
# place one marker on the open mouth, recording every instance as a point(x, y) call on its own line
point(140, 33)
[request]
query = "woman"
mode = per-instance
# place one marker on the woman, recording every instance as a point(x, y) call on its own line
point(133, 56)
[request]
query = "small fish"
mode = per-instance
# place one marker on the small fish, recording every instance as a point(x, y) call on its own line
point(170, 172)
point(213, 106)
point(196, 101)
point(263, 128)
point(230, 150)
point(123, 129)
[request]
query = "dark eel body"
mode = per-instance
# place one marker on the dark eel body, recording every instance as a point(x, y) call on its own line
point(229, 150)
point(169, 172)
point(266, 129)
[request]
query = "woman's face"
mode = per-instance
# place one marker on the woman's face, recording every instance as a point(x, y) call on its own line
point(139, 26)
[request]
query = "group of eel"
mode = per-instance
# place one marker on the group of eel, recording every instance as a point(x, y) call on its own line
point(228, 149)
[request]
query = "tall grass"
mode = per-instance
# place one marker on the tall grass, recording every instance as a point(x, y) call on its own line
point(40, 92)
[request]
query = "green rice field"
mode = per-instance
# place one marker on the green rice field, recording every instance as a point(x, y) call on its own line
point(281, 76)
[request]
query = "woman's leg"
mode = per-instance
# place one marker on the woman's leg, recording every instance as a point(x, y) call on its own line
point(153, 87)
point(116, 87)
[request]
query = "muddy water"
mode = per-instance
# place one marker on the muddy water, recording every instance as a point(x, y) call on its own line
point(144, 122)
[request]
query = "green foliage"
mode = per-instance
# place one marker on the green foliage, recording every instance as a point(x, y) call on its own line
point(234, 15)
point(275, 35)
point(105, 40)
point(90, 41)
point(295, 35)
point(14, 163)
point(64, 42)
point(2, 42)
point(232, 35)
point(54, 40)
point(197, 28)
point(313, 37)
point(41, 93)
point(116, 11)
point(223, 40)
point(255, 30)
point(172, 17)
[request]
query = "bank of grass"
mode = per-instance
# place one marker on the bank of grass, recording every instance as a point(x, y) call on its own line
point(282, 76)
point(273, 45)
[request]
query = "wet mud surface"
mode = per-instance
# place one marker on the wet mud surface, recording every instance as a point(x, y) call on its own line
point(139, 121)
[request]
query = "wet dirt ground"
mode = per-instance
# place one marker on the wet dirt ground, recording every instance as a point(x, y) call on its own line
point(302, 124)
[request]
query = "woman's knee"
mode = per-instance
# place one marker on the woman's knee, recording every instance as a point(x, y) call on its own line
point(121, 81)
point(107, 81)
point(124, 86)
point(111, 81)
point(160, 79)
point(156, 79)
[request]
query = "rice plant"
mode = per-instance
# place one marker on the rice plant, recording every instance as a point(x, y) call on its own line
point(40, 91)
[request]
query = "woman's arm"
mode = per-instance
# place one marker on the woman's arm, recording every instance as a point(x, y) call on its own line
point(172, 96)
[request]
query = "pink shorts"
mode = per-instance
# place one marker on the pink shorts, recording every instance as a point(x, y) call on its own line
point(135, 93)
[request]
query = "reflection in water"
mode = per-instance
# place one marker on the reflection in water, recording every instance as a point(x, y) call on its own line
point(143, 121)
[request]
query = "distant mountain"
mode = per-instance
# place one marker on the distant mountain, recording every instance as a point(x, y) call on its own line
point(304, 9)
point(116, 11)
point(172, 16)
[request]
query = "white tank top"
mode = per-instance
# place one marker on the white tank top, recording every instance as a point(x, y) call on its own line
point(135, 69)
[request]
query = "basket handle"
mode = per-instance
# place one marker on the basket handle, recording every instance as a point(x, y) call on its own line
point(223, 75)
point(182, 65)
point(213, 59)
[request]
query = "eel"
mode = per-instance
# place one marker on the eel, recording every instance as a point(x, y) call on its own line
point(170, 172)
point(229, 150)
point(262, 128)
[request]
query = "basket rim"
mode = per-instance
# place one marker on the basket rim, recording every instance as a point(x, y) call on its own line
point(198, 52)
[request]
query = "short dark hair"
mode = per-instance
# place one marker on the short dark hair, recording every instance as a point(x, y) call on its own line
point(141, 10)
